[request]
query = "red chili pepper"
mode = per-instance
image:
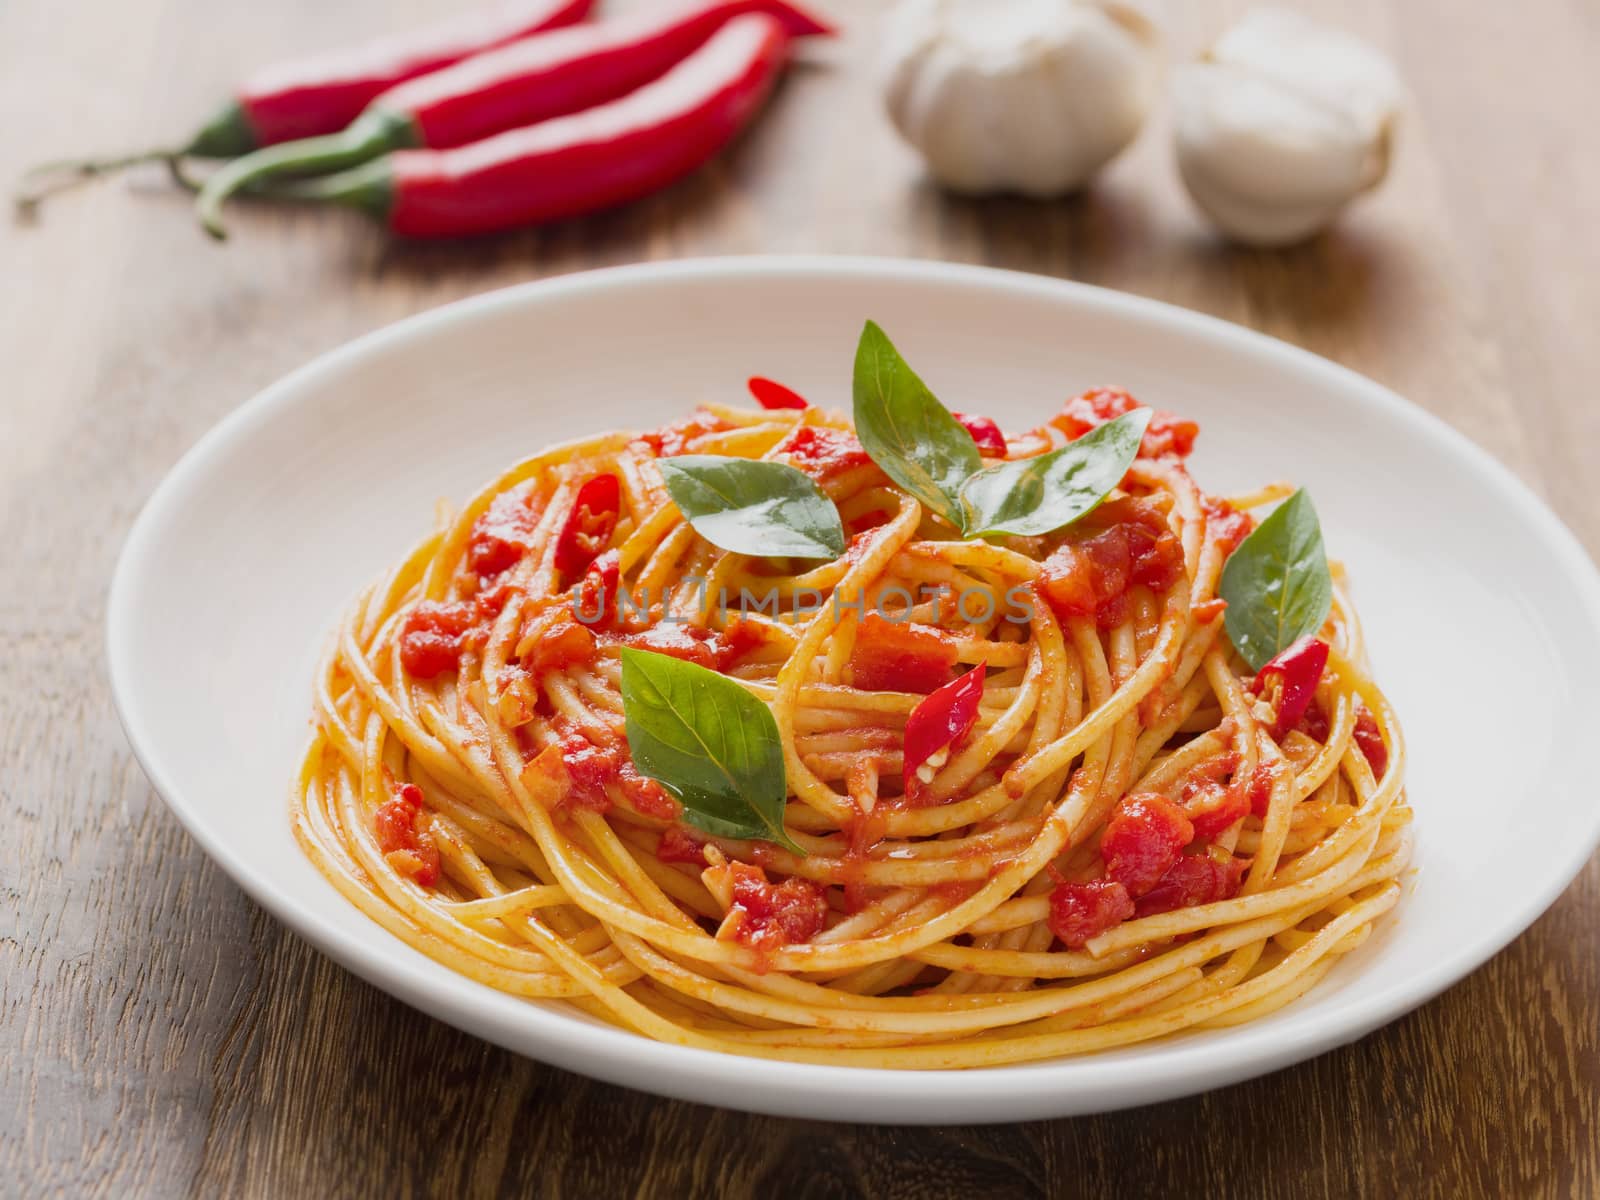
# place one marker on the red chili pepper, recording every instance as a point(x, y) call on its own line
point(773, 395)
point(1368, 736)
point(575, 164)
point(942, 718)
point(1297, 670)
point(509, 88)
point(323, 94)
point(991, 442)
point(589, 525)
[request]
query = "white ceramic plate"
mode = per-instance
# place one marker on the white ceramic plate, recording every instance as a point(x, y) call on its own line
point(1483, 612)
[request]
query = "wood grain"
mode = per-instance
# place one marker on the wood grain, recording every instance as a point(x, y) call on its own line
point(159, 1036)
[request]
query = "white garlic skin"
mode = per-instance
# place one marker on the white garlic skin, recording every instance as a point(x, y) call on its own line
point(1281, 125)
point(1029, 96)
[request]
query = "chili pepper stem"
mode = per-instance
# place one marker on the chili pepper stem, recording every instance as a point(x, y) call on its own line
point(45, 180)
point(368, 188)
point(373, 133)
point(226, 135)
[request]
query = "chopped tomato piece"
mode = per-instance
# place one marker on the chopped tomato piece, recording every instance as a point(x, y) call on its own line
point(677, 640)
point(590, 768)
point(941, 720)
point(1166, 434)
point(773, 395)
point(1080, 911)
point(991, 442)
point(502, 535)
point(558, 642)
point(900, 656)
point(404, 836)
point(1314, 724)
point(1213, 804)
point(491, 600)
point(1124, 542)
point(678, 845)
point(433, 635)
point(590, 771)
point(1193, 879)
point(1261, 785)
point(767, 916)
point(823, 453)
point(1370, 739)
point(645, 794)
point(588, 527)
point(1142, 839)
point(596, 601)
point(679, 437)
point(1289, 681)
point(740, 635)
point(1227, 524)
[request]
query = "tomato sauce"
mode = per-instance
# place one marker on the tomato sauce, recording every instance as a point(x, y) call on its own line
point(1215, 804)
point(823, 453)
point(1165, 435)
point(402, 829)
point(1080, 911)
point(675, 438)
point(502, 535)
point(678, 845)
point(1193, 879)
point(900, 656)
point(768, 916)
point(1227, 524)
point(1142, 839)
point(592, 770)
point(433, 636)
point(1123, 543)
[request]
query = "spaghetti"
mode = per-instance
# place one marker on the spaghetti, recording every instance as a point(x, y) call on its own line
point(1101, 828)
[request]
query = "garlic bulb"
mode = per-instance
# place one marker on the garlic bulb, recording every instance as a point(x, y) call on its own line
point(1281, 125)
point(1029, 96)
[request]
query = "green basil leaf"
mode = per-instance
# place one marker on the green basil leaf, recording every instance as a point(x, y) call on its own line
point(907, 431)
point(1034, 496)
point(710, 743)
point(1276, 583)
point(754, 507)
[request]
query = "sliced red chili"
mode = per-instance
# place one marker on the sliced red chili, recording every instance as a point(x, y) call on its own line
point(1370, 739)
point(589, 525)
point(943, 718)
point(773, 395)
point(1295, 672)
point(991, 442)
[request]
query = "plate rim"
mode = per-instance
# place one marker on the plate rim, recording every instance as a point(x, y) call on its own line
point(987, 1095)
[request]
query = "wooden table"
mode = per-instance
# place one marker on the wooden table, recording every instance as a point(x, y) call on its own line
point(159, 1035)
